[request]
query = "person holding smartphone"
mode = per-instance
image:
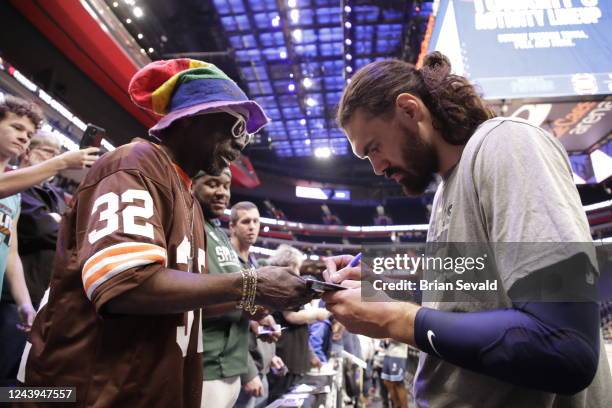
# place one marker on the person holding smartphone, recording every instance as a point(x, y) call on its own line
point(504, 181)
point(23, 178)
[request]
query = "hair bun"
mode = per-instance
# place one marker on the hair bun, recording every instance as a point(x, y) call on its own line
point(436, 61)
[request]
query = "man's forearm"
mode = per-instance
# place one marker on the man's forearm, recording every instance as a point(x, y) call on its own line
point(172, 291)
point(400, 325)
point(16, 280)
point(13, 182)
point(306, 316)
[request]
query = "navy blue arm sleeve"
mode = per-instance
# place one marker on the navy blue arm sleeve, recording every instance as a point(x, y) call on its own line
point(549, 346)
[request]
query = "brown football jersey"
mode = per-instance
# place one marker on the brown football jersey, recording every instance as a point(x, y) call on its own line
point(132, 215)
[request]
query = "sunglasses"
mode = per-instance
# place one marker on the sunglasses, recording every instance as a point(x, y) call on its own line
point(239, 131)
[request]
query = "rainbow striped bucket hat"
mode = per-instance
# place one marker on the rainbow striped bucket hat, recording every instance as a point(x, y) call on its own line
point(184, 87)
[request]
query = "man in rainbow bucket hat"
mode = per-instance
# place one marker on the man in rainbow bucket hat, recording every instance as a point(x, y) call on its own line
point(121, 322)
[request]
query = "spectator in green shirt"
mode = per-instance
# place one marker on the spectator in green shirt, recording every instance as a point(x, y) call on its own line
point(226, 359)
point(225, 335)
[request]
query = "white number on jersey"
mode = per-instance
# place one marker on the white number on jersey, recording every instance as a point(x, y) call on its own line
point(132, 211)
point(201, 260)
point(183, 335)
point(183, 252)
point(128, 215)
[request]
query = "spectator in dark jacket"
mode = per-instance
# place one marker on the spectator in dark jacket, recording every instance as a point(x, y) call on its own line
point(42, 206)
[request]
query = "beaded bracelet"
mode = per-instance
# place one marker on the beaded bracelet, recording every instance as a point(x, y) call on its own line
point(242, 302)
point(249, 291)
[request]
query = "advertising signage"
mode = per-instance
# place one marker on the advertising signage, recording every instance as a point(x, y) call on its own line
point(528, 48)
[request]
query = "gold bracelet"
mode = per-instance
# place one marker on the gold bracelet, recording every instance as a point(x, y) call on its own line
point(252, 291)
point(250, 294)
point(243, 301)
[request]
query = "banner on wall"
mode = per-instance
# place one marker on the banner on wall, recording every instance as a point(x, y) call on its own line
point(525, 49)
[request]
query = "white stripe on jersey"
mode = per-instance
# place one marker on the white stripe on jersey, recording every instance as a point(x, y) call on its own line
point(113, 272)
point(118, 258)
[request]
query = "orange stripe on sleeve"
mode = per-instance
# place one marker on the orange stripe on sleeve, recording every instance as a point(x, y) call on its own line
point(114, 251)
point(153, 258)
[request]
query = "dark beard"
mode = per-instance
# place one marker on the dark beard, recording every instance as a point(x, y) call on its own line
point(421, 165)
point(207, 211)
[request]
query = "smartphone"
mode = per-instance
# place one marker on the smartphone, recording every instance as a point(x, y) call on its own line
point(321, 286)
point(261, 330)
point(92, 137)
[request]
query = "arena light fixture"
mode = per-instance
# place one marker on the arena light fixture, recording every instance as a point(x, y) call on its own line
point(294, 15)
point(597, 206)
point(297, 35)
point(314, 193)
point(31, 86)
point(322, 152)
point(341, 195)
point(107, 145)
point(310, 101)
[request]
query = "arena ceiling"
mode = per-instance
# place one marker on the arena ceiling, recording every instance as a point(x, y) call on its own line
point(292, 56)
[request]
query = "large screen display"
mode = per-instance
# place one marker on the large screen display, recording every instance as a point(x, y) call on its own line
point(528, 48)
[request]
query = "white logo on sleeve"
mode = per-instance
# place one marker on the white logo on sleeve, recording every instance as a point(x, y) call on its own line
point(430, 336)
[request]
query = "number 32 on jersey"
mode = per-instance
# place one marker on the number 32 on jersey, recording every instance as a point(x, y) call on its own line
point(110, 215)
